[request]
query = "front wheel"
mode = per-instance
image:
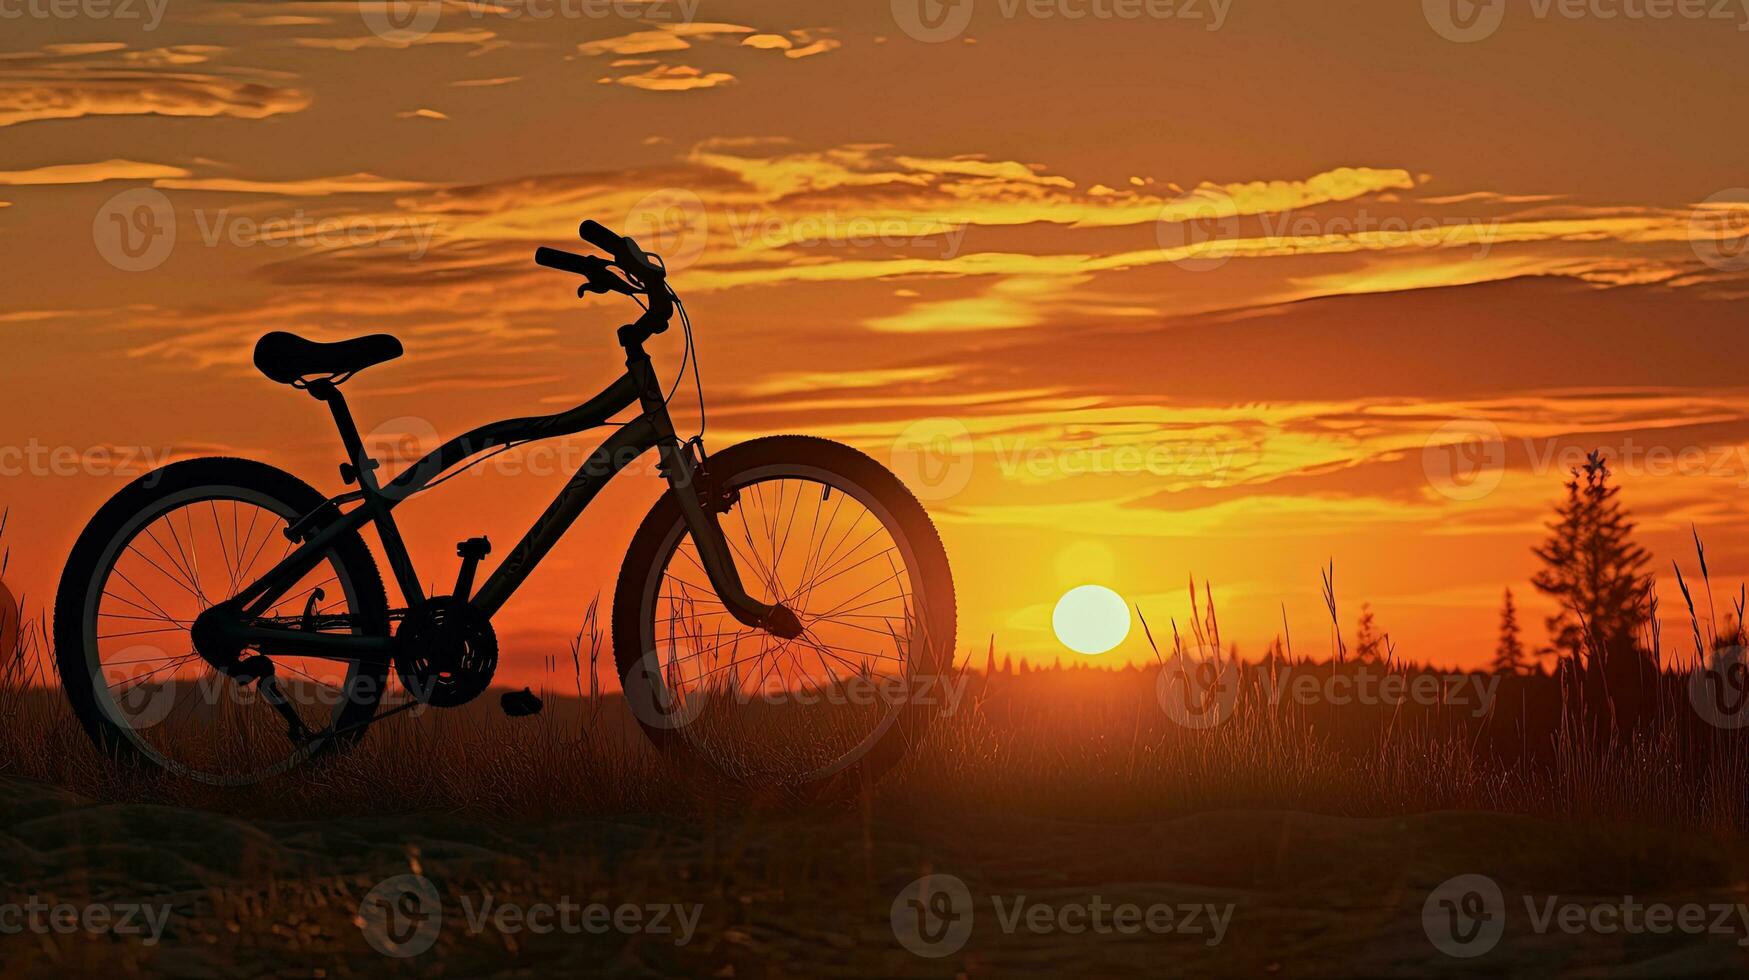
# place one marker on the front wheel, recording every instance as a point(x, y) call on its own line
point(833, 536)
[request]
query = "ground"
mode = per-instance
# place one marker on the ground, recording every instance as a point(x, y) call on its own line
point(784, 895)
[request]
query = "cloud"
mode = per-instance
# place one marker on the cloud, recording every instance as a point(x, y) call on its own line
point(672, 78)
point(671, 37)
point(74, 92)
point(359, 183)
point(90, 173)
point(778, 42)
point(767, 42)
point(818, 47)
point(83, 48)
point(175, 56)
point(421, 114)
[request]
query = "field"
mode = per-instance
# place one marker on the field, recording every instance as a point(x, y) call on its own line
point(1320, 830)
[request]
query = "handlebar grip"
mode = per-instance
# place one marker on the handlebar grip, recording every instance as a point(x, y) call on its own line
point(553, 258)
point(598, 235)
point(629, 255)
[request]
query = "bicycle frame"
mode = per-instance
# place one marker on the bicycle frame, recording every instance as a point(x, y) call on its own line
point(652, 429)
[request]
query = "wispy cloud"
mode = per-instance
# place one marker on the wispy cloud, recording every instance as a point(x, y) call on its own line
point(91, 173)
point(360, 183)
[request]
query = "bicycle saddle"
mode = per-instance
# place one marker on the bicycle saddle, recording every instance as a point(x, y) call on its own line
point(286, 357)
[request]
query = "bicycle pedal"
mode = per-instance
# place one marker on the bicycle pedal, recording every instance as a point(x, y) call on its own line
point(520, 704)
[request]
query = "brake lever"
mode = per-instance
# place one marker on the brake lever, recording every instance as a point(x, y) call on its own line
point(601, 279)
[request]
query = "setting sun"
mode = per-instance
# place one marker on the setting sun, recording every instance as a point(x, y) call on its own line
point(1091, 619)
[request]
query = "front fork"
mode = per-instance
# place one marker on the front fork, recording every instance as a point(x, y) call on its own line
point(700, 500)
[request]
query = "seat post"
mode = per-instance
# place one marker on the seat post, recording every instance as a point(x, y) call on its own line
point(359, 467)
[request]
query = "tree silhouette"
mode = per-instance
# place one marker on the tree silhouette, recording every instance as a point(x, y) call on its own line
point(1593, 569)
point(1509, 655)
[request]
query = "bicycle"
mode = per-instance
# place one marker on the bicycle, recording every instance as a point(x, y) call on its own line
point(731, 620)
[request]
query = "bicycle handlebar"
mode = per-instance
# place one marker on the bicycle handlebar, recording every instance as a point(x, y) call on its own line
point(630, 259)
point(582, 265)
point(626, 253)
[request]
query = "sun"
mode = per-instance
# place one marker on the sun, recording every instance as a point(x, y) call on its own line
point(1091, 619)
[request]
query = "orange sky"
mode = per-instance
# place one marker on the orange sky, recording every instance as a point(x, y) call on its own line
point(1179, 295)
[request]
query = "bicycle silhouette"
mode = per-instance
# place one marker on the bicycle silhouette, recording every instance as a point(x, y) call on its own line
point(221, 619)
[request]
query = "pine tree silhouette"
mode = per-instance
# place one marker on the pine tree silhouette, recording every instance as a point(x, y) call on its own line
point(1509, 655)
point(1592, 568)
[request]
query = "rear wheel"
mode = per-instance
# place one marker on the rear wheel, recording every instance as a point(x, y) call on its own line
point(163, 550)
point(837, 539)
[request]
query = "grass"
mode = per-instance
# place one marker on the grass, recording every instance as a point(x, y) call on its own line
point(1074, 742)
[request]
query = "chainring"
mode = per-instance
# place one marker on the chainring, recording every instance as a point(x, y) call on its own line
point(445, 652)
